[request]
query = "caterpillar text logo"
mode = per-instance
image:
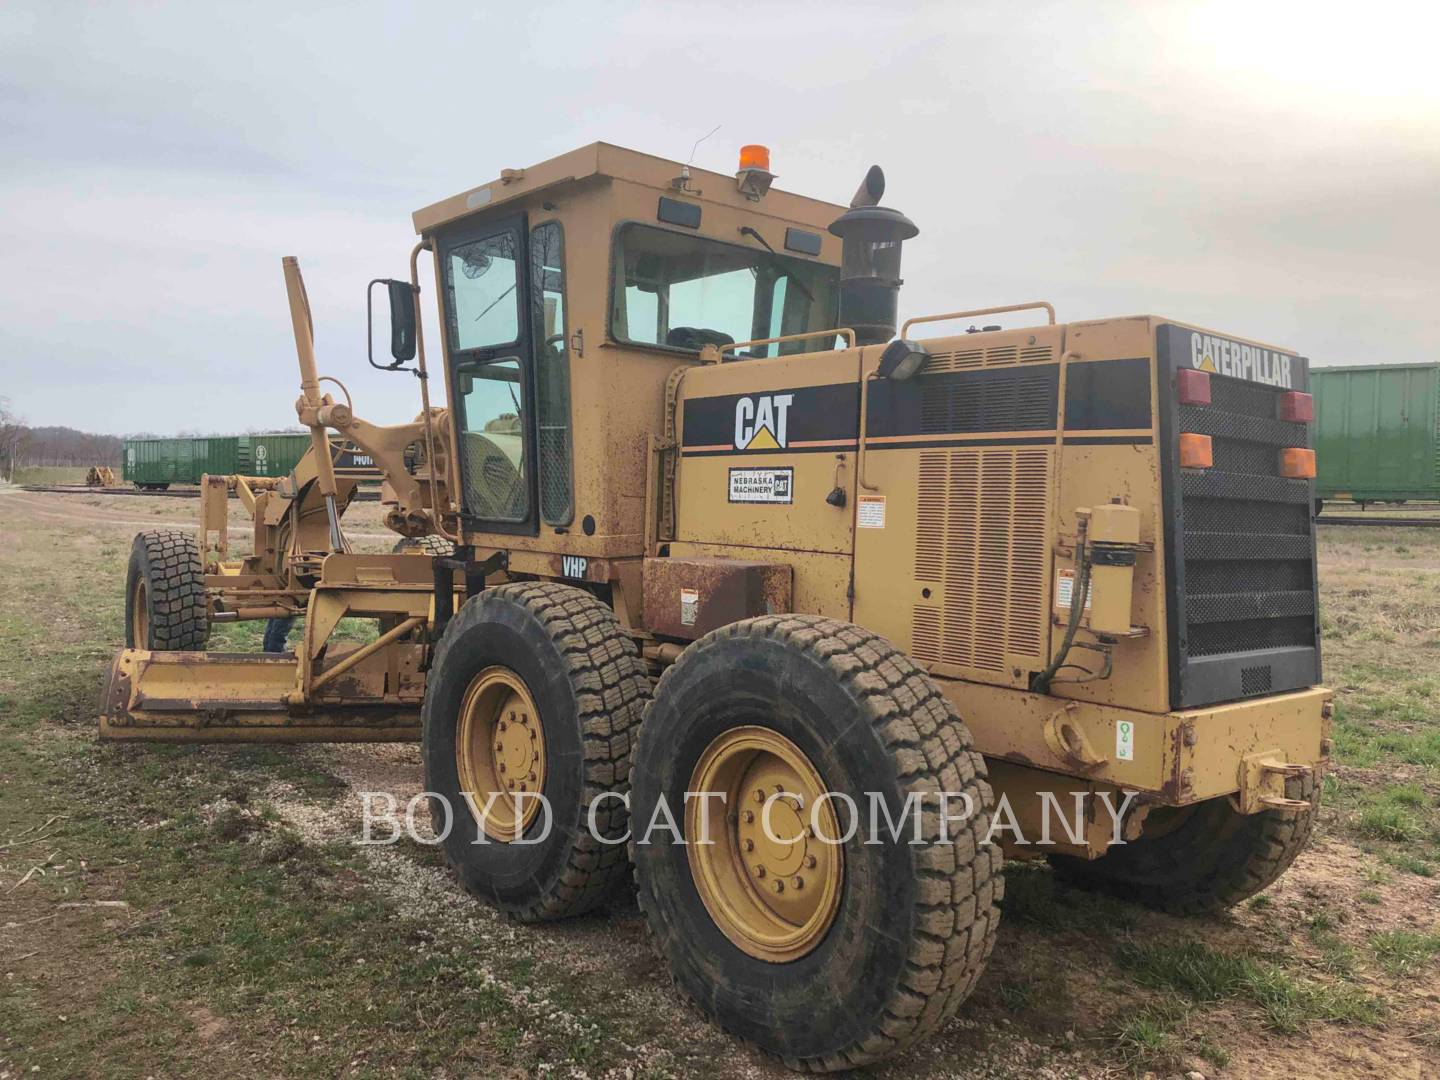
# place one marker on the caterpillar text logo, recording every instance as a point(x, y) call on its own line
point(761, 422)
point(1240, 361)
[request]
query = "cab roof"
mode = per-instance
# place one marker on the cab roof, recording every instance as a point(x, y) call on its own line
point(602, 159)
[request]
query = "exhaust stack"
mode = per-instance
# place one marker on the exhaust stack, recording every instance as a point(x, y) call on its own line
point(870, 280)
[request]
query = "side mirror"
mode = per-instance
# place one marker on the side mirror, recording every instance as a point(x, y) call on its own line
point(402, 323)
point(902, 359)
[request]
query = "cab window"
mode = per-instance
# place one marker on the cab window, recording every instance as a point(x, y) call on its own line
point(552, 372)
point(493, 440)
point(681, 291)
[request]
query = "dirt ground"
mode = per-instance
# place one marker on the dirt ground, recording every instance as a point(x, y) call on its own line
point(205, 911)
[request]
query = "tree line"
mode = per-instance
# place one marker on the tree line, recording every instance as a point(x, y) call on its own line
point(22, 445)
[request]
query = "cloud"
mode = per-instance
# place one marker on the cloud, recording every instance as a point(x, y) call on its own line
point(1268, 177)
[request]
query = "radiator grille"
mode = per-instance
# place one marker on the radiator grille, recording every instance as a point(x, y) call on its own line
point(980, 535)
point(1244, 573)
point(995, 356)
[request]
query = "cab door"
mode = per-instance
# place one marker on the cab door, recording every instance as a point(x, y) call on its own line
point(484, 276)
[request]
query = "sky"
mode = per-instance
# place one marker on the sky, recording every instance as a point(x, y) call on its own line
point(1263, 169)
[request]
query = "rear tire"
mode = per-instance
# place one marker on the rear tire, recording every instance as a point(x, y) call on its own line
point(571, 662)
point(1215, 858)
point(913, 925)
point(165, 607)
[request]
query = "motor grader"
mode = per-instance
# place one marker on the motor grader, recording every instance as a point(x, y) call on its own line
point(726, 539)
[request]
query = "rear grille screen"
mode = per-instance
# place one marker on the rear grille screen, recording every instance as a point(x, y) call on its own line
point(1240, 543)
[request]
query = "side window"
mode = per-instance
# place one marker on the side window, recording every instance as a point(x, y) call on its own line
point(552, 372)
point(493, 440)
point(482, 280)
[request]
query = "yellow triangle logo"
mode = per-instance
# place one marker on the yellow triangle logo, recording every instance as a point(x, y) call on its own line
point(1208, 365)
point(762, 440)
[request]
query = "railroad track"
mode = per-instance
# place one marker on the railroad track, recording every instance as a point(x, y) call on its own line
point(364, 494)
point(1375, 519)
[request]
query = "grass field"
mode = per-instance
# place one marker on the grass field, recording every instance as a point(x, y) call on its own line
point(203, 910)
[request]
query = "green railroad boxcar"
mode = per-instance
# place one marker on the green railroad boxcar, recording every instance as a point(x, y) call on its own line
point(1377, 432)
point(155, 464)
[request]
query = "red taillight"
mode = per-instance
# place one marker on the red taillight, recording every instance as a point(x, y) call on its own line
point(1192, 386)
point(1297, 407)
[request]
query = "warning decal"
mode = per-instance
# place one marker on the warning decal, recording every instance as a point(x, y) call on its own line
point(762, 485)
point(1125, 741)
point(1065, 589)
point(870, 512)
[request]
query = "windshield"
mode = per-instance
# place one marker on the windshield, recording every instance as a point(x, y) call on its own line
point(684, 292)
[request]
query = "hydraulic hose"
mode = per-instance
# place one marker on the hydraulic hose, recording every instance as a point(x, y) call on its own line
point(1041, 682)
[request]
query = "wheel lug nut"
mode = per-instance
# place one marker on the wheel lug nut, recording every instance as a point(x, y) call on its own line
point(760, 871)
point(502, 725)
point(502, 766)
point(749, 817)
point(532, 776)
point(512, 714)
point(749, 845)
point(779, 886)
point(798, 882)
point(522, 787)
point(759, 794)
point(809, 862)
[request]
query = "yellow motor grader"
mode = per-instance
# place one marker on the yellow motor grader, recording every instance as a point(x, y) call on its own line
point(737, 561)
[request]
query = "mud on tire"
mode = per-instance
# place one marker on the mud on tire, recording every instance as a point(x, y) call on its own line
point(914, 924)
point(590, 688)
point(1213, 859)
point(165, 593)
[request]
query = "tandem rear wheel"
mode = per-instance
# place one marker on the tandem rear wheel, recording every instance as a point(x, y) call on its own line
point(825, 950)
point(1201, 859)
point(535, 690)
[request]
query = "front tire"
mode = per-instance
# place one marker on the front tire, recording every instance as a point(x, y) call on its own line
point(1214, 858)
point(533, 684)
point(910, 927)
point(165, 607)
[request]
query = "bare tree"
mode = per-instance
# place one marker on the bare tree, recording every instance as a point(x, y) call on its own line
point(13, 435)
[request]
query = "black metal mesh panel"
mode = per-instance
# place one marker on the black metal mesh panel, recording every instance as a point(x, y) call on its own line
point(1019, 400)
point(1212, 639)
point(1204, 420)
point(1248, 571)
point(1249, 518)
point(1256, 575)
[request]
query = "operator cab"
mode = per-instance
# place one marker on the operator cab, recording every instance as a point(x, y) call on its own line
point(569, 293)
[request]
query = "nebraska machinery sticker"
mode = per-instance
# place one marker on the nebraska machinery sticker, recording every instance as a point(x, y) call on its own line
point(762, 485)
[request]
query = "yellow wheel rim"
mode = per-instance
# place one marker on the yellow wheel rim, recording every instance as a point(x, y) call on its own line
point(139, 615)
point(500, 753)
point(774, 894)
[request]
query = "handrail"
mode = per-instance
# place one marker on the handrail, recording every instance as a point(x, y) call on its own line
point(790, 337)
point(1049, 307)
